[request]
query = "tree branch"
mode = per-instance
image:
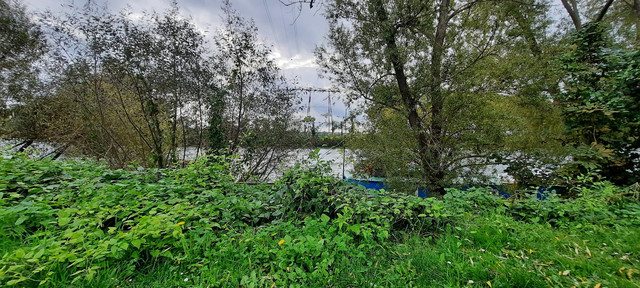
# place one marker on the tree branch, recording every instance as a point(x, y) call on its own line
point(603, 11)
point(573, 13)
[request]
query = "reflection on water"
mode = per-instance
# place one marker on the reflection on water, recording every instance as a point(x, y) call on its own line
point(36, 150)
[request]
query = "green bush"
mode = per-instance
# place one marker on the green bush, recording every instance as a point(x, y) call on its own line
point(76, 222)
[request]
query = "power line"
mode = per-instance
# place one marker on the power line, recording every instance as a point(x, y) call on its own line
point(314, 89)
point(273, 30)
point(322, 90)
point(295, 35)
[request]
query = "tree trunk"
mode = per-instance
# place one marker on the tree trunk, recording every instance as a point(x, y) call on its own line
point(152, 112)
point(436, 174)
point(572, 9)
point(409, 101)
point(636, 12)
point(25, 145)
point(603, 11)
point(428, 149)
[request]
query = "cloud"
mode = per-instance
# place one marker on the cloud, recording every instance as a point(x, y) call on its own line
point(292, 32)
point(296, 62)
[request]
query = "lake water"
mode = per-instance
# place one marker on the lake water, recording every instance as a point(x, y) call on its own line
point(334, 156)
point(340, 165)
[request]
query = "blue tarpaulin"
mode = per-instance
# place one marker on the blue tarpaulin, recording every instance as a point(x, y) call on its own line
point(378, 184)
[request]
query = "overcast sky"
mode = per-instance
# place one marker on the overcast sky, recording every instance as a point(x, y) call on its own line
point(292, 32)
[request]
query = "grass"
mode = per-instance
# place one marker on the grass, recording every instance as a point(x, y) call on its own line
point(80, 224)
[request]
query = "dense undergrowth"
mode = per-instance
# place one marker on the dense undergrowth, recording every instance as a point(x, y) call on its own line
point(77, 223)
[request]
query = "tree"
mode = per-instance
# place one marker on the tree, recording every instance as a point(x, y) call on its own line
point(259, 102)
point(426, 61)
point(133, 91)
point(623, 17)
point(600, 101)
point(572, 8)
point(21, 44)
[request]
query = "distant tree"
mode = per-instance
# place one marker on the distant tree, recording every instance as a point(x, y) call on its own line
point(309, 125)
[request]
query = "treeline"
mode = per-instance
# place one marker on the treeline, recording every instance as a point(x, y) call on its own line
point(147, 89)
point(445, 88)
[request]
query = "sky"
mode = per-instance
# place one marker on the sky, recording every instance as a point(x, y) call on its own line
point(292, 31)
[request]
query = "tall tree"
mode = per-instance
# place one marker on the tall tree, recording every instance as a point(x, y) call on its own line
point(600, 101)
point(573, 9)
point(600, 87)
point(431, 62)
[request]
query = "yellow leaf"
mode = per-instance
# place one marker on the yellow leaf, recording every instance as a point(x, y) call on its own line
point(597, 285)
point(582, 280)
point(180, 223)
point(630, 273)
point(281, 242)
point(530, 251)
point(273, 285)
point(489, 283)
point(621, 269)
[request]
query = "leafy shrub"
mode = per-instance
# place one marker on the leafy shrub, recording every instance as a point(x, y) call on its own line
point(82, 218)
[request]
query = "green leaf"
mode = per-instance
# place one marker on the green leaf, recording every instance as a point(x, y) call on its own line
point(355, 229)
point(62, 221)
point(15, 281)
point(21, 220)
point(38, 254)
point(137, 243)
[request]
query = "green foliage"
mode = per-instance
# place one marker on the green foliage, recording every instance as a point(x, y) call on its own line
point(82, 224)
point(600, 104)
point(132, 90)
point(21, 45)
point(445, 85)
point(259, 103)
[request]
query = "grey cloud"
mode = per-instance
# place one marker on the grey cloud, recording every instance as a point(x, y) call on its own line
point(293, 40)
